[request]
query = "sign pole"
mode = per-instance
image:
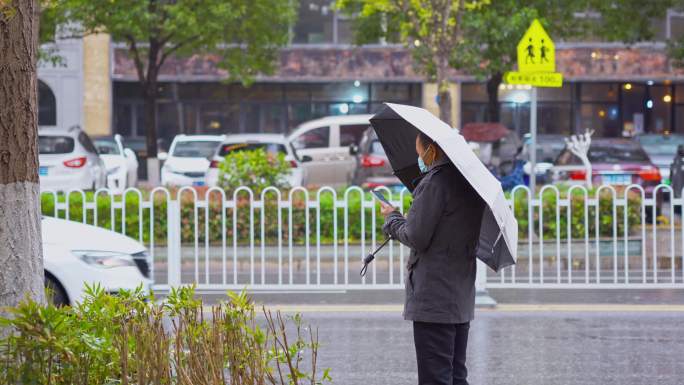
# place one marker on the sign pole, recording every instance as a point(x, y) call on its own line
point(533, 145)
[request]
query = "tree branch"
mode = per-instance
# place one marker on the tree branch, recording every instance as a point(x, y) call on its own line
point(139, 66)
point(174, 48)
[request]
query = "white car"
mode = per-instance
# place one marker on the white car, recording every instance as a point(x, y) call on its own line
point(75, 254)
point(332, 143)
point(68, 159)
point(271, 143)
point(187, 162)
point(121, 162)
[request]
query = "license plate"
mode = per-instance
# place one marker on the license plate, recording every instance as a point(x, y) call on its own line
point(42, 171)
point(619, 179)
point(198, 183)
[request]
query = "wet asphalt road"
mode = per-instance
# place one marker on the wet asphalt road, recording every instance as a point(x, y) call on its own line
point(553, 347)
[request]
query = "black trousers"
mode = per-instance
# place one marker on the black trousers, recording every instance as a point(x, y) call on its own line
point(441, 353)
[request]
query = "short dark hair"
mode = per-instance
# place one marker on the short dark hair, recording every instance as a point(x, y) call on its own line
point(424, 139)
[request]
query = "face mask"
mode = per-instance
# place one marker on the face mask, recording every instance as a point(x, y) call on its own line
point(423, 167)
point(421, 164)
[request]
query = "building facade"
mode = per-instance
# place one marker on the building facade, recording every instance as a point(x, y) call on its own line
point(613, 89)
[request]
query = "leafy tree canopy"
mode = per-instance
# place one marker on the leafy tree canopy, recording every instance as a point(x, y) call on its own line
point(244, 33)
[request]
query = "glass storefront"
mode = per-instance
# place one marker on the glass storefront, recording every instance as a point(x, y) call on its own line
point(215, 108)
point(610, 109)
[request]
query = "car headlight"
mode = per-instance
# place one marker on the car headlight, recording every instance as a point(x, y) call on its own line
point(104, 259)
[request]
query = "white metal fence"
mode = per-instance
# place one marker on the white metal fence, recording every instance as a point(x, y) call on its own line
point(315, 240)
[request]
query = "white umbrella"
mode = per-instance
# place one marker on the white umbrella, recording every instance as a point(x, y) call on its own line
point(396, 127)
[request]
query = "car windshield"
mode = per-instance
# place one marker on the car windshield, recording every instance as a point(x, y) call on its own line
point(272, 148)
point(107, 147)
point(376, 148)
point(547, 152)
point(195, 149)
point(55, 144)
point(661, 144)
point(615, 153)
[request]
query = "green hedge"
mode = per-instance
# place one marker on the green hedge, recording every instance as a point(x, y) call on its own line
point(104, 217)
point(132, 217)
point(577, 214)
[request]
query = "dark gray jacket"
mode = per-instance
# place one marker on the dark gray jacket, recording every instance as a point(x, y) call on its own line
point(442, 229)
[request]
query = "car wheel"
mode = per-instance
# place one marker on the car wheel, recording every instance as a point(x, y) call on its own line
point(55, 292)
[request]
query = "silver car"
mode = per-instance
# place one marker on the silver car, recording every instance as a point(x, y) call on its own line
point(68, 159)
point(661, 149)
point(332, 143)
point(372, 166)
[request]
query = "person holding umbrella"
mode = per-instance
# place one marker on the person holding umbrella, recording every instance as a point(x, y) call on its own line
point(459, 213)
point(442, 229)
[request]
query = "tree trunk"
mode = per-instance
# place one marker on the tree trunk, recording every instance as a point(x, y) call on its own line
point(151, 93)
point(151, 134)
point(21, 255)
point(443, 92)
point(444, 97)
point(493, 84)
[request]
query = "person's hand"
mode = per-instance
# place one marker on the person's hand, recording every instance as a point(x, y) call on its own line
point(386, 209)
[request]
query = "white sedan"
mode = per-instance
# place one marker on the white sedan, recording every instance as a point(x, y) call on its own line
point(187, 162)
point(121, 162)
point(271, 143)
point(68, 159)
point(75, 254)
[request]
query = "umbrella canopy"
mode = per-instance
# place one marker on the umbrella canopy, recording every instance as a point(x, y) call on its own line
point(397, 125)
point(484, 132)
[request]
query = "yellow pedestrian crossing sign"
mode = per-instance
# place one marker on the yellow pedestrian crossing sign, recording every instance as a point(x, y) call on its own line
point(536, 60)
point(536, 51)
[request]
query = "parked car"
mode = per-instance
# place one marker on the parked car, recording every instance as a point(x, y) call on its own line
point(271, 143)
point(121, 162)
point(68, 159)
point(188, 159)
point(661, 149)
point(614, 162)
point(372, 166)
point(139, 146)
point(332, 143)
point(75, 254)
point(548, 148)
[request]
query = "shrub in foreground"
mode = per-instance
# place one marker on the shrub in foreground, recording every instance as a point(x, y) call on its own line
point(132, 339)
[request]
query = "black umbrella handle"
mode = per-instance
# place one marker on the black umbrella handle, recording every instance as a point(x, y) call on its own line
point(370, 257)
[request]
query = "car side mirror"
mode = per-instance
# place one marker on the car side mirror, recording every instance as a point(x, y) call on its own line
point(162, 155)
point(353, 149)
point(306, 158)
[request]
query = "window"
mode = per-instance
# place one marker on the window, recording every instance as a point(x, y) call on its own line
point(554, 118)
point(195, 149)
point(352, 134)
point(86, 143)
point(47, 106)
point(55, 144)
point(602, 118)
point(606, 153)
point(661, 102)
point(315, 138)
point(474, 92)
point(107, 147)
point(270, 148)
point(315, 22)
point(376, 148)
point(599, 92)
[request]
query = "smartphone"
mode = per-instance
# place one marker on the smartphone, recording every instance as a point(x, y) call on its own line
point(381, 197)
